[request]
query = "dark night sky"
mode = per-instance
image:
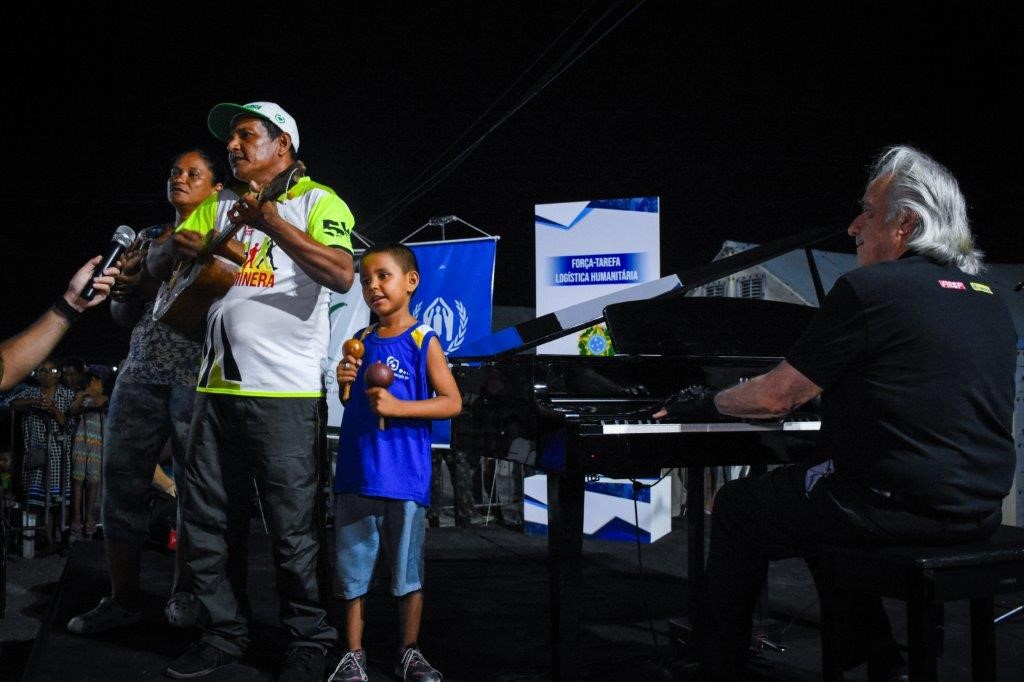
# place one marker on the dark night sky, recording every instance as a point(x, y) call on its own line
point(748, 126)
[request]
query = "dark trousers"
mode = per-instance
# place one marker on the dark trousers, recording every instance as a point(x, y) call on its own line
point(140, 418)
point(760, 519)
point(275, 440)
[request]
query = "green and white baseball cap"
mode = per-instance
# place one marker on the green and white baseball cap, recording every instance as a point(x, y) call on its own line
point(221, 116)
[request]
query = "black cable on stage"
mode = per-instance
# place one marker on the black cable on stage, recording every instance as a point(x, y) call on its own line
point(637, 487)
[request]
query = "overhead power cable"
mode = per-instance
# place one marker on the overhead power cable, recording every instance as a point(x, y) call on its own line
point(573, 53)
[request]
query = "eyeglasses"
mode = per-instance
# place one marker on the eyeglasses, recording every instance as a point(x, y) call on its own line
point(45, 370)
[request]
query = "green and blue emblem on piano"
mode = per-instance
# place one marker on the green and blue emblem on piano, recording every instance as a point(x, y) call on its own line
point(596, 341)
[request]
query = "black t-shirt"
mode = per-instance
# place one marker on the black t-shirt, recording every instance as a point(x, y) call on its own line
point(916, 361)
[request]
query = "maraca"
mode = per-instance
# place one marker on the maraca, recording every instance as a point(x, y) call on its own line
point(353, 347)
point(379, 375)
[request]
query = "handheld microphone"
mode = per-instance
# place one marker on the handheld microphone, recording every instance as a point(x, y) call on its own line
point(123, 238)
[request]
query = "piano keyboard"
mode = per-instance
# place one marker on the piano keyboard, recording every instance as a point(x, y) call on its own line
point(640, 428)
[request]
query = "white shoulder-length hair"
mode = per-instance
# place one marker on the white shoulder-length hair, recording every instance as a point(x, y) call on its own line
point(923, 185)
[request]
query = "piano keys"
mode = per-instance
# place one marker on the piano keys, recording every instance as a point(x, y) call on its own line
point(650, 428)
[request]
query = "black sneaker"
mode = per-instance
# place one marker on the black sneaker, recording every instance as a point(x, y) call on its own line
point(182, 610)
point(351, 668)
point(107, 616)
point(304, 664)
point(413, 667)
point(199, 659)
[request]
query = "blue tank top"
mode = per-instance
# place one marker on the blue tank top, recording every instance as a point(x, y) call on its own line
point(393, 463)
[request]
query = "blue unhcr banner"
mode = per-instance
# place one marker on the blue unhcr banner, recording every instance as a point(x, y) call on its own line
point(454, 296)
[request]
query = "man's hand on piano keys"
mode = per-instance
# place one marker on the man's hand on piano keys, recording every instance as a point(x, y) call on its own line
point(692, 404)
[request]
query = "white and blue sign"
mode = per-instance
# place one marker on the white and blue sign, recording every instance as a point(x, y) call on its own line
point(348, 314)
point(608, 512)
point(589, 249)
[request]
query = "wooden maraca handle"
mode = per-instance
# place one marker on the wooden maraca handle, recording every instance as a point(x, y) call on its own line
point(355, 348)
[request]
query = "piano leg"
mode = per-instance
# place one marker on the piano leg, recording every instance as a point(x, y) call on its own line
point(695, 538)
point(565, 549)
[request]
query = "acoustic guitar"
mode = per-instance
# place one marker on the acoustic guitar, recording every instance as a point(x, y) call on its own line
point(195, 284)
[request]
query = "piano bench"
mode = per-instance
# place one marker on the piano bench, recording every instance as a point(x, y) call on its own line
point(925, 578)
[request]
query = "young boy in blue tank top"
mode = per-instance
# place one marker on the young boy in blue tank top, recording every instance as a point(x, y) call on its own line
point(382, 479)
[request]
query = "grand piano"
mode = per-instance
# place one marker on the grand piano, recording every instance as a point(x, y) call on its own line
point(589, 416)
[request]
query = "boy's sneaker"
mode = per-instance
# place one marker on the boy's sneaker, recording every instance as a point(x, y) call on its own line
point(106, 616)
point(413, 667)
point(351, 668)
point(199, 659)
point(303, 664)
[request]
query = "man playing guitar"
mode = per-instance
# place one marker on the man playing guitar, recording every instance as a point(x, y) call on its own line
point(258, 408)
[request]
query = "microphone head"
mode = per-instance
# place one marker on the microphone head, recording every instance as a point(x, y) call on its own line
point(124, 235)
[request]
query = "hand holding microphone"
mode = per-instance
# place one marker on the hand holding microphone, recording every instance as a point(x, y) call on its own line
point(123, 238)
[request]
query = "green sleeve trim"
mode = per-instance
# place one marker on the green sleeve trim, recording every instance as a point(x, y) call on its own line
point(204, 219)
point(260, 394)
point(305, 184)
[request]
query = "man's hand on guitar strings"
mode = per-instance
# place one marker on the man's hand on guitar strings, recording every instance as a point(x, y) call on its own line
point(258, 206)
point(249, 210)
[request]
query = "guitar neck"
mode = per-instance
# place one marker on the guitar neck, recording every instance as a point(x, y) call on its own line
point(219, 240)
point(281, 183)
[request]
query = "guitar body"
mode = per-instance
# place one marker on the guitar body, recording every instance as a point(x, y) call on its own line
point(186, 297)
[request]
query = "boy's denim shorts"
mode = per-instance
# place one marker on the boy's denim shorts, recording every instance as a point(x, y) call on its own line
point(363, 525)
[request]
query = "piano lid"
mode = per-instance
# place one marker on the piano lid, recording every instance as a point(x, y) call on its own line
point(560, 323)
point(695, 326)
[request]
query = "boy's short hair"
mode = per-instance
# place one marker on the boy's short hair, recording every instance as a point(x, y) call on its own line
point(402, 254)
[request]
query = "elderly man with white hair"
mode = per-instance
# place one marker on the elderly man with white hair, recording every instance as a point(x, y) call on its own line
point(913, 356)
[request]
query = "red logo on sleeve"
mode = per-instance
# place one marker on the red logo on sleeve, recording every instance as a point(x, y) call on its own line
point(947, 284)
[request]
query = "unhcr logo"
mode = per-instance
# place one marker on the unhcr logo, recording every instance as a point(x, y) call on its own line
point(442, 318)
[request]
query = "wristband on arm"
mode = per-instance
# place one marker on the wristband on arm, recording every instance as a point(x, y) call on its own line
point(66, 310)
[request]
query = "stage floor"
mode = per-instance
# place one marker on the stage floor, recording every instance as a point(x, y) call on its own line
point(486, 615)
